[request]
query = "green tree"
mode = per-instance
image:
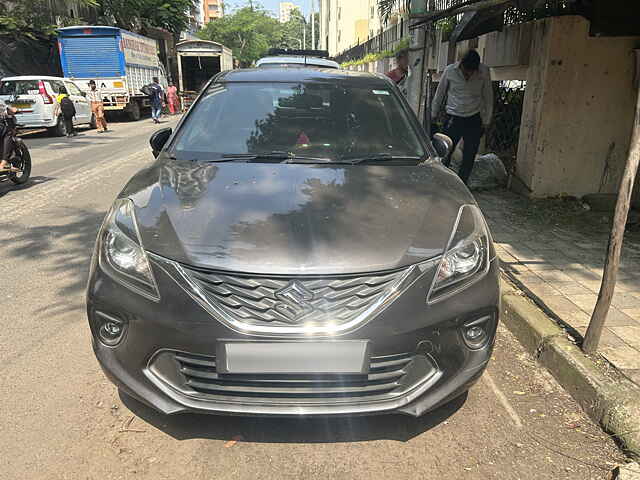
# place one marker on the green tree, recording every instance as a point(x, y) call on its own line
point(249, 31)
point(32, 18)
point(136, 15)
point(292, 31)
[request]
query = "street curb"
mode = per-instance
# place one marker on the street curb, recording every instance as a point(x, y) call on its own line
point(605, 395)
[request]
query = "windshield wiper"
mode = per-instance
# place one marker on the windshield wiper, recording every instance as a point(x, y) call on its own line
point(379, 157)
point(285, 157)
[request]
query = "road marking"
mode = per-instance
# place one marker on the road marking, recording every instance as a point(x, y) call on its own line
point(503, 399)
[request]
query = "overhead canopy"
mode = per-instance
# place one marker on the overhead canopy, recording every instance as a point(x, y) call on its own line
point(204, 46)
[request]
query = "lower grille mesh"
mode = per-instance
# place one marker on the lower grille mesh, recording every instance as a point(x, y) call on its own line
point(385, 376)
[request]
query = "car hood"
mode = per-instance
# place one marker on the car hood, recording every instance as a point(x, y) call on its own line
point(288, 219)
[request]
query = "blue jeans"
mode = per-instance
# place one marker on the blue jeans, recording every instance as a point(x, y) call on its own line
point(156, 110)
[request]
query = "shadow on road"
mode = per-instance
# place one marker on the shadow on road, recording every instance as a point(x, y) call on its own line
point(6, 186)
point(294, 430)
point(61, 250)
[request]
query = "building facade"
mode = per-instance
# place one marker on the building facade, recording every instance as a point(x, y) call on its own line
point(285, 11)
point(346, 23)
point(211, 9)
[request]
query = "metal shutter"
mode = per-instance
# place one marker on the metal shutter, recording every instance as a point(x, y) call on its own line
point(91, 57)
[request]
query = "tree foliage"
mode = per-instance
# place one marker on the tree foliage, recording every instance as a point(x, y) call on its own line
point(33, 18)
point(249, 31)
point(41, 17)
point(136, 15)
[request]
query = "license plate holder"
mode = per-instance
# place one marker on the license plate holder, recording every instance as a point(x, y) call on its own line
point(342, 357)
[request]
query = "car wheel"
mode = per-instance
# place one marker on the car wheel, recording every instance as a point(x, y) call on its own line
point(59, 130)
point(134, 111)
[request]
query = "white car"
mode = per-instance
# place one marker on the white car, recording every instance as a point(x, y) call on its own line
point(279, 57)
point(35, 98)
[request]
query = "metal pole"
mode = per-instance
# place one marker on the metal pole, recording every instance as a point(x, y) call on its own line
point(304, 33)
point(313, 25)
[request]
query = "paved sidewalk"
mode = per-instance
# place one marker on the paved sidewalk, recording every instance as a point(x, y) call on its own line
point(555, 250)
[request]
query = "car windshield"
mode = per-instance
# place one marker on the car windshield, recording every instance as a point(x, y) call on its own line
point(18, 87)
point(332, 121)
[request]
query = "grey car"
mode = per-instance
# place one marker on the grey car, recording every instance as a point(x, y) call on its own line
point(297, 248)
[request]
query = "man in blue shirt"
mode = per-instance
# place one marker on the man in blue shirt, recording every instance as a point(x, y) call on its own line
point(157, 100)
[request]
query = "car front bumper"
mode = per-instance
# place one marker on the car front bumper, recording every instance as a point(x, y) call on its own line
point(437, 364)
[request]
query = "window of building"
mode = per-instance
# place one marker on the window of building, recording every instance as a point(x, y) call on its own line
point(213, 8)
point(372, 11)
point(339, 35)
point(339, 12)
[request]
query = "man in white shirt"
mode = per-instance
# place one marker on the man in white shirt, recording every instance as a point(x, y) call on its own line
point(469, 106)
point(94, 97)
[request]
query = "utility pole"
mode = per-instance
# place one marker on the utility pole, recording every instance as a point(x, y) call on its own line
point(313, 25)
point(304, 33)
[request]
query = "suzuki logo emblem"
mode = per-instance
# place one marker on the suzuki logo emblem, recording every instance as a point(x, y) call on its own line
point(294, 303)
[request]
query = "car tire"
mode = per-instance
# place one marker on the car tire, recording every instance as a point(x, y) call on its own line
point(59, 130)
point(93, 123)
point(133, 111)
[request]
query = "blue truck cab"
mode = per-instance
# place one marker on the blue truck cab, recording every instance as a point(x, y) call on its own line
point(121, 63)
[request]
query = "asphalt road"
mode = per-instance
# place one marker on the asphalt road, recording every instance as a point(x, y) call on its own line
point(61, 419)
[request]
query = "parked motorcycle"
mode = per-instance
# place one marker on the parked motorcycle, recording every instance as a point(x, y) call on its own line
point(20, 158)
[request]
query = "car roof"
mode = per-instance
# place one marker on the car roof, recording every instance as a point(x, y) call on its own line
point(36, 77)
point(305, 74)
point(299, 59)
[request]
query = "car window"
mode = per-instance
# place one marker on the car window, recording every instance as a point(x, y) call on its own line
point(73, 90)
point(56, 86)
point(19, 87)
point(327, 120)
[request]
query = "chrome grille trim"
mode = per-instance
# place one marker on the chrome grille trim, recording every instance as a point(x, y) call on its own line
point(356, 298)
point(390, 377)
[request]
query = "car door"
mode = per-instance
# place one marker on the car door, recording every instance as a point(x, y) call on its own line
point(83, 112)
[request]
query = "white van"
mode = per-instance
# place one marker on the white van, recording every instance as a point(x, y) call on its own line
point(35, 99)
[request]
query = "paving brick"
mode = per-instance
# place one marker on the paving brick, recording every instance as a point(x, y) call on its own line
point(633, 374)
point(554, 276)
point(633, 313)
point(561, 306)
point(586, 301)
point(571, 288)
point(610, 339)
point(618, 318)
point(539, 265)
point(623, 357)
point(542, 290)
point(625, 300)
point(527, 277)
point(630, 335)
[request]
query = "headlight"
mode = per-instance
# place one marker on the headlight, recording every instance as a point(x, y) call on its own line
point(121, 253)
point(466, 258)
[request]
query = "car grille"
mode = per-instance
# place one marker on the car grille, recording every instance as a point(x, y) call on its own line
point(257, 300)
point(196, 375)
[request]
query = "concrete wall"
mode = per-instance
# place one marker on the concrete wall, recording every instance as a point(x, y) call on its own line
point(578, 110)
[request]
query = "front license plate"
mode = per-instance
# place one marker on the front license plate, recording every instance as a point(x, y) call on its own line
point(340, 357)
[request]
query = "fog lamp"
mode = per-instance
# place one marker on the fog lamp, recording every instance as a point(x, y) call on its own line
point(474, 333)
point(111, 329)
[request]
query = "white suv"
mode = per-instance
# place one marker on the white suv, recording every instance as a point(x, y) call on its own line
point(35, 98)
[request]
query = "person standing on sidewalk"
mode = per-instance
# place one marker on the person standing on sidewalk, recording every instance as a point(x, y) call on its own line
point(157, 100)
point(469, 106)
point(94, 97)
point(399, 74)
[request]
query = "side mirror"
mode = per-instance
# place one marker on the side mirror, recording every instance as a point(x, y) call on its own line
point(443, 144)
point(158, 140)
